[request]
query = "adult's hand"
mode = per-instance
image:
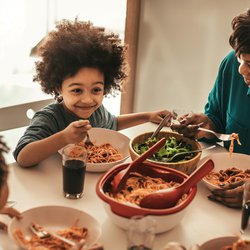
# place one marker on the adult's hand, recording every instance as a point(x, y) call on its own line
point(230, 195)
point(189, 123)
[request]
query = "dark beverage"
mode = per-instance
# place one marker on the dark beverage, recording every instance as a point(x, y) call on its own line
point(140, 247)
point(73, 178)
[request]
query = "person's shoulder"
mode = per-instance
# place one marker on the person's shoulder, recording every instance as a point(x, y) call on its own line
point(51, 108)
point(231, 57)
point(229, 62)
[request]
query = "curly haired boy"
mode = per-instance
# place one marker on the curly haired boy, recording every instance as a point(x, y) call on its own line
point(79, 65)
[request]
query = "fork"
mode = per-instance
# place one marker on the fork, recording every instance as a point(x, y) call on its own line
point(188, 152)
point(45, 233)
point(222, 137)
point(88, 142)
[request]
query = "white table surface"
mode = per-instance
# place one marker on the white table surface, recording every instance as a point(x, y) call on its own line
point(42, 185)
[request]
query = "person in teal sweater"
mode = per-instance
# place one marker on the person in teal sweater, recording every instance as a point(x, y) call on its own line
point(228, 107)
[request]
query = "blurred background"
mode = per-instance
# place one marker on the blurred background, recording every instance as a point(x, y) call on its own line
point(23, 24)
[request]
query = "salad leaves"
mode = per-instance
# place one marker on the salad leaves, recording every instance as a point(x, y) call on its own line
point(171, 147)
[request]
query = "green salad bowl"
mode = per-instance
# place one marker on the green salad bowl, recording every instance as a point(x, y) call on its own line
point(175, 143)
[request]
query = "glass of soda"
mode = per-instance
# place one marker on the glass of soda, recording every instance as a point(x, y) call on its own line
point(74, 168)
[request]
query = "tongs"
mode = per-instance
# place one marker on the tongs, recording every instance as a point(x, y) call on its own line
point(120, 179)
point(164, 121)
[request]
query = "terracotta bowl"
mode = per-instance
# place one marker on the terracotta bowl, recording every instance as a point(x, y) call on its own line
point(185, 166)
point(119, 212)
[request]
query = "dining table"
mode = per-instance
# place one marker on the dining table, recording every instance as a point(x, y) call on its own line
point(41, 185)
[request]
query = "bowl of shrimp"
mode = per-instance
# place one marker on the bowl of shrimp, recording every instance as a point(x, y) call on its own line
point(120, 207)
point(110, 148)
point(175, 143)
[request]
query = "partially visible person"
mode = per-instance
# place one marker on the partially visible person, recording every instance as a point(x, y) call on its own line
point(79, 64)
point(228, 107)
point(4, 190)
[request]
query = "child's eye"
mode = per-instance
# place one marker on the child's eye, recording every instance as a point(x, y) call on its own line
point(76, 91)
point(97, 90)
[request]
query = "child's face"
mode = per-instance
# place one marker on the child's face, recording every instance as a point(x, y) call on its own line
point(4, 193)
point(83, 93)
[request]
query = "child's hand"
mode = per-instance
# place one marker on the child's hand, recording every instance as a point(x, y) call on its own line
point(76, 131)
point(11, 212)
point(156, 117)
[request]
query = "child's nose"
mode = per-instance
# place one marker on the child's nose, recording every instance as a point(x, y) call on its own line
point(87, 98)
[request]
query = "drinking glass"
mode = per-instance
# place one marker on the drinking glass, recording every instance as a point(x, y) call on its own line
point(74, 168)
point(141, 233)
point(245, 227)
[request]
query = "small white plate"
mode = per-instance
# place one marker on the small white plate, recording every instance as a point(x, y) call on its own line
point(218, 243)
point(56, 218)
point(223, 161)
point(118, 140)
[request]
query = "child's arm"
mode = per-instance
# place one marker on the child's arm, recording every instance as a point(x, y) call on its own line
point(129, 120)
point(35, 152)
point(11, 212)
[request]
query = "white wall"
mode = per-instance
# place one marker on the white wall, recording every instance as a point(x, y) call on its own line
point(181, 44)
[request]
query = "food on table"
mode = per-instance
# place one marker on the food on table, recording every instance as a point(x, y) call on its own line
point(227, 176)
point(231, 147)
point(34, 242)
point(171, 147)
point(138, 186)
point(240, 244)
point(103, 153)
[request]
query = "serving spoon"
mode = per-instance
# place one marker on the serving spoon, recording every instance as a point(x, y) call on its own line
point(167, 198)
point(120, 179)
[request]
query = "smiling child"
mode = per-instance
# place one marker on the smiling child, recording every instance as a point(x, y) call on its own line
point(79, 65)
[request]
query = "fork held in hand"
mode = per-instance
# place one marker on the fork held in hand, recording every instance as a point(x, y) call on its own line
point(222, 137)
point(88, 142)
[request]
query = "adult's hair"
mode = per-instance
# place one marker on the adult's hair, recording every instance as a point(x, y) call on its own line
point(240, 37)
point(76, 44)
point(3, 165)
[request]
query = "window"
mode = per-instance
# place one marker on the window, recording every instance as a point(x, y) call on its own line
point(23, 23)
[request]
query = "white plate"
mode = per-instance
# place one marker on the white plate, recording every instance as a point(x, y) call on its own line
point(117, 140)
point(56, 218)
point(218, 243)
point(223, 161)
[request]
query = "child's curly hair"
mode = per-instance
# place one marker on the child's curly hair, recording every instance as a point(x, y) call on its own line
point(3, 165)
point(76, 44)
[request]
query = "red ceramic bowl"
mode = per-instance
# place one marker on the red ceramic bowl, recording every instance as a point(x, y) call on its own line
point(120, 212)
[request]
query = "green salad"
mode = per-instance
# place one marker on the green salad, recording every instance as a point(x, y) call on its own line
point(171, 147)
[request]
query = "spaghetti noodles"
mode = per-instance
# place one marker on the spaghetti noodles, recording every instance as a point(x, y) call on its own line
point(228, 176)
point(231, 147)
point(138, 186)
point(102, 154)
point(51, 243)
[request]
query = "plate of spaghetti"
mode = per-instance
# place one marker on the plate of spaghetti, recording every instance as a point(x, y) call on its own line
point(75, 226)
point(110, 149)
point(227, 170)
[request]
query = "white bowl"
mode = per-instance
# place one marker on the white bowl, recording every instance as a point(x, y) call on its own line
point(223, 161)
point(119, 141)
point(218, 243)
point(55, 218)
point(164, 223)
